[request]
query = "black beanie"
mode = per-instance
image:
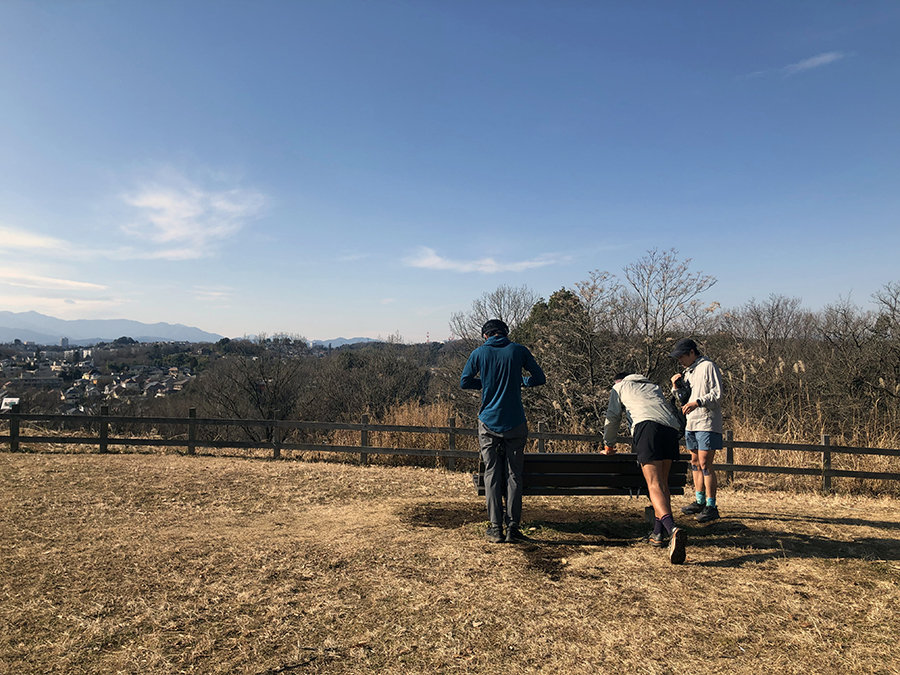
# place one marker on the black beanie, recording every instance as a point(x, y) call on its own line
point(495, 326)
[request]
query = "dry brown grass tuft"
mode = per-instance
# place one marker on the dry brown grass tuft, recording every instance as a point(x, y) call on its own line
point(162, 564)
point(417, 415)
point(813, 460)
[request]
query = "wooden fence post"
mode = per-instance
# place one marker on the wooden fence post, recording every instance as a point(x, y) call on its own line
point(826, 463)
point(276, 442)
point(274, 432)
point(542, 445)
point(729, 455)
point(192, 431)
point(14, 428)
point(364, 441)
point(451, 443)
point(104, 429)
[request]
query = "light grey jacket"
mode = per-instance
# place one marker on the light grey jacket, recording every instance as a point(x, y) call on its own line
point(706, 388)
point(640, 401)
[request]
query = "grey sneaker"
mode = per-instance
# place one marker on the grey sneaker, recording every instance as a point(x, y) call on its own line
point(692, 508)
point(495, 534)
point(514, 535)
point(657, 539)
point(676, 546)
point(708, 514)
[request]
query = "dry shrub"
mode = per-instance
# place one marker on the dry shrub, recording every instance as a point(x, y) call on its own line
point(754, 432)
point(437, 415)
point(571, 426)
point(414, 414)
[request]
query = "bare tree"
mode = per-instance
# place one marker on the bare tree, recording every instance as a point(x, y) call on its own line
point(512, 305)
point(887, 331)
point(271, 381)
point(665, 293)
point(770, 324)
point(601, 294)
point(887, 302)
point(369, 378)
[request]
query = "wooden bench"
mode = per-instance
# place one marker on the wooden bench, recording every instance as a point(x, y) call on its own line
point(573, 473)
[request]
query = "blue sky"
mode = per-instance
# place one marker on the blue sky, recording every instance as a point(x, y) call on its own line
point(343, 168)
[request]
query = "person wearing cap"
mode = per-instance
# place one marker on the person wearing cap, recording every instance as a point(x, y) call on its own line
point(699, 391)
point(654, 433)
point(496, 368)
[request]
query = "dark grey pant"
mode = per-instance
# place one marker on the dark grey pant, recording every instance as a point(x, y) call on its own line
point(503, 455)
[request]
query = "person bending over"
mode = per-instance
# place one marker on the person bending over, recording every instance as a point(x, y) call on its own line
point(654, 433)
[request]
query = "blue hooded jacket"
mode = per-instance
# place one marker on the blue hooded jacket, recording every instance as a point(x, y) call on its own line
point(496, 368)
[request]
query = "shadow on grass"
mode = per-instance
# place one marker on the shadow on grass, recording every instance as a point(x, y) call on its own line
point(450, 516)
point(558, 533)
point(444, 516)
point(546, 551)
point(853, 522)
point(586, 533)
point(773, 544)
point(547, 561)
point(554, 535)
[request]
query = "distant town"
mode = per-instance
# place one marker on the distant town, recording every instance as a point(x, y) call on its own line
point(78, 380)
point(84, 378)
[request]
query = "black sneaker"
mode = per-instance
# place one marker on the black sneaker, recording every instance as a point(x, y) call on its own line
point(676, 546)
point(514, 535)
point(495, 534)
point(657, 539)
point(708, 514)
point(692, 508)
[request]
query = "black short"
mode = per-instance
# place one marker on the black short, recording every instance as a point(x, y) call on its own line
point(654, 442)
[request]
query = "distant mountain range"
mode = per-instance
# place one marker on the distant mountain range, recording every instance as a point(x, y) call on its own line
point(339, 342)
point(47, 330)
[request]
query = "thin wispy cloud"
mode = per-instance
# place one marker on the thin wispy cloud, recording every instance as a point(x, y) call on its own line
point(812, 63)
point(352, 257)
point(212, 294)
point(186, 220)
point(12, 239)
point(800, 67)
point(44, 247)
point(428, 258)
point(80, 308)
point(132, 253)
point(28, 280)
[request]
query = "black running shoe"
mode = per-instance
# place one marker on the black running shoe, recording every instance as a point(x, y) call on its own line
point(676, 546)
point(708, 514)
point(692, 508)
point(495, 534)
point(514, 536)
point(657, 539)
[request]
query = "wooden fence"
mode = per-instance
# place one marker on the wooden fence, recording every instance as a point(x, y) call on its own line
point(191, 441)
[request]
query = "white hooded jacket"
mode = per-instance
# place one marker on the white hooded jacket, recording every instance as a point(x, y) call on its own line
point(706, 388)
point(640, 401)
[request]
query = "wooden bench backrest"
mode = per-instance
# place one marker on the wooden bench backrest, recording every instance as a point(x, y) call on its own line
point(588, 474)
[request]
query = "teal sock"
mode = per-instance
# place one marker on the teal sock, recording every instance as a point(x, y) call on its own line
point(711, 501)
point(701, 497)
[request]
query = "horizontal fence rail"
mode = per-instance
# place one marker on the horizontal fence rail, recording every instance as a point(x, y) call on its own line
point(192, 441)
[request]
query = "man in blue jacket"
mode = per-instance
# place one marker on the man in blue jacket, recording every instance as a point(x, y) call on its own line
point(496, 369)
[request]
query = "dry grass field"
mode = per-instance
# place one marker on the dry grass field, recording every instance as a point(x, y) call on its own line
point(172, 564)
